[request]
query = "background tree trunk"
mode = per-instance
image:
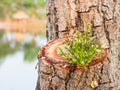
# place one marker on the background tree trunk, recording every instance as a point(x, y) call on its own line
point(66, 16)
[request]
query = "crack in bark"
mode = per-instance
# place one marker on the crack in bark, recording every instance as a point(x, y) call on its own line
point(90, 8)
point(49, 87)
point(52, 27)
point(106, 33)
point(79, 22)
point(68, 78)
point(80, 79)
point(45, 73)
point(105, 6)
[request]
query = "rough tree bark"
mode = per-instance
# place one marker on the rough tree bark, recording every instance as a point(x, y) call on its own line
point(66, 16)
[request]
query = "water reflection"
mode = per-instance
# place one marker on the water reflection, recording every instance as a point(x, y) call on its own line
point(6, 45)
point(9, 44)
point(18, 57)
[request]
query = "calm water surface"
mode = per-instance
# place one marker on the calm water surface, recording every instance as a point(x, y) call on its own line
point(17, 70)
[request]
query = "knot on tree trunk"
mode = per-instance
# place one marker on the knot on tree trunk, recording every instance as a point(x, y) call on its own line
point(56, 73)
point(49, 54)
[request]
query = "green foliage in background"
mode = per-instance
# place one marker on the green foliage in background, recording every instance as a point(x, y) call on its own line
point(81, 49)
point(6, 49)
point(8, 7)
point(1, 35)
point(5, 46)
point(30, 51)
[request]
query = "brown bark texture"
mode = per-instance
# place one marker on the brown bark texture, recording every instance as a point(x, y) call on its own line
point(64, 17)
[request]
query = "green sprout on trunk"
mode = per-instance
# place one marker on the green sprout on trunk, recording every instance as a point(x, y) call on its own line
point(81, 49)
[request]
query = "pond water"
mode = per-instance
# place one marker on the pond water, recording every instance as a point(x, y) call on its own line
point(18, 60)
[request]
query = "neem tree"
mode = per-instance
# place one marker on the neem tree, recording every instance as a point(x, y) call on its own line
point(64, 18)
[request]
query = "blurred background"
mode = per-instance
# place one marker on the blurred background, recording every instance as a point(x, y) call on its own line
point(22, 33)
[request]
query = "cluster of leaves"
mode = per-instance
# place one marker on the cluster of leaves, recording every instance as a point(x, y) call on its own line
point(81, 49)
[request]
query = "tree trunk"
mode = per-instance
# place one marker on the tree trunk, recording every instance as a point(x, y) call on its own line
point(64, 17)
